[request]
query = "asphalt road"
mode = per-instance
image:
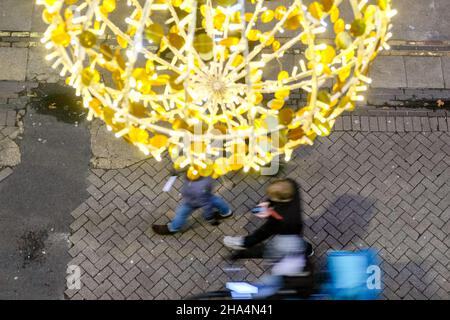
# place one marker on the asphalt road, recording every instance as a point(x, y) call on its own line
point(35, 205)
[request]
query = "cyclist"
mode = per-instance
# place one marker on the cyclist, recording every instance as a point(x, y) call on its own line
point(283, 211)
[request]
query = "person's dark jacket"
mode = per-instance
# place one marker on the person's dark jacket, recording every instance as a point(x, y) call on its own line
point(197, 193)
point(290, 224)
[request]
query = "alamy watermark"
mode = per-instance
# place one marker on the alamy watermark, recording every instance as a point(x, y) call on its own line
point(73, 278)
point(373, 281)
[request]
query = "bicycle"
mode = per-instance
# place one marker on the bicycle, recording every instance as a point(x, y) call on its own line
point(345, 277)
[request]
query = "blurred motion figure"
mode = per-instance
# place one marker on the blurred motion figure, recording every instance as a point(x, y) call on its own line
point(197, 193)
point(282, 210)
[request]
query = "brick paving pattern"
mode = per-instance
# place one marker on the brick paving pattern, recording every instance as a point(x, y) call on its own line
point(8, 132)
point(380, 182)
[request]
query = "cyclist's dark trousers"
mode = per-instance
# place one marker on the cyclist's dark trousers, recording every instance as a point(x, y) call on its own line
point(255, 252)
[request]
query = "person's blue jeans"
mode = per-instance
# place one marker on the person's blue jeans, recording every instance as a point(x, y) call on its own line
point(184, 211)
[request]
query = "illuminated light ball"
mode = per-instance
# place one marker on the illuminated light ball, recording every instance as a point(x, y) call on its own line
point(209, 83)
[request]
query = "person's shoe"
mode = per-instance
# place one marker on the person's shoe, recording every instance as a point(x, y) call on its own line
point(214, 222)
point(161, 229)
point(224, 216)
point(309, 249)
point(235, 255)
point(236, 243)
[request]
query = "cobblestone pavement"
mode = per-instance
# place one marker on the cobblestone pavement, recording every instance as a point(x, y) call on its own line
point(9, 150)
point(364, 186)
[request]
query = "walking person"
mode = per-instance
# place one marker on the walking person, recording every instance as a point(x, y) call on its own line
point(197, 193)
point(283, 211)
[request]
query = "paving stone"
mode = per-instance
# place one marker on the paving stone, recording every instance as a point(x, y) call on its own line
point(365, 125)
point(373, 124)
point(408, 124)
point(433, 123)
point(39, 69)
point(424, 72)
point(15, 15)
point(399, 124)
point(79, 210)
point(5, 173)
point(425, 124)
point(417, 124)
point(13, 64)
point(115, 294)
point(390, 124)
point(103, 275)
point(338, 126)
point(388, 67)
point(3, 116)
point(356, 123)
point(89, 267)
point(442, 122)
point(446, 71)
point(102, 288)
point(382, 125)
point(347, 123)
point(74, 226)
point(94, 192)
point(10, 119)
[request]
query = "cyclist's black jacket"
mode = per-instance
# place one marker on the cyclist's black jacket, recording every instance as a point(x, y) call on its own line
point(290, 224)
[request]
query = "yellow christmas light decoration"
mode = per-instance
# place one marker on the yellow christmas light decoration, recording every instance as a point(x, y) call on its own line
point(190, 77)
